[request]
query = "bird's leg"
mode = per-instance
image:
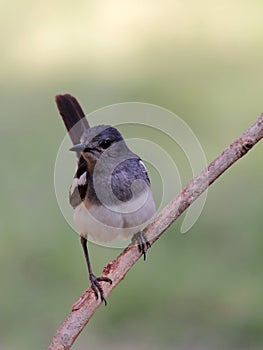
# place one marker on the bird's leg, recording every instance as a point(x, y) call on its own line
point(95, 285)
point(142, 242)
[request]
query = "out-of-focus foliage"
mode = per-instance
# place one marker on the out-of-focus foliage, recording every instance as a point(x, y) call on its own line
point(200, 59)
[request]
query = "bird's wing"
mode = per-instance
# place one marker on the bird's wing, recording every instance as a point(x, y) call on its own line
point(144, 171)
point(79, 185)
point(124, 176)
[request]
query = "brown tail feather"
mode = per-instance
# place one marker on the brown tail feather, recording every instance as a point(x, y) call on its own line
point(72, 114)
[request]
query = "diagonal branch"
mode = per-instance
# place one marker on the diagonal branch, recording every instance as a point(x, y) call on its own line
point(118, 268)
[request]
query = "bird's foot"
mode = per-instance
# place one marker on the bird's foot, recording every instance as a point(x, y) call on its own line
point(97, 288)
point(142, 242)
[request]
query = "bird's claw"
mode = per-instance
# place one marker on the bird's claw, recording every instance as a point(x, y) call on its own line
point(142, 242)
point(97, 288)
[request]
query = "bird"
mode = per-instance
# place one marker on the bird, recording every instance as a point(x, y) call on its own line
point(110, 193)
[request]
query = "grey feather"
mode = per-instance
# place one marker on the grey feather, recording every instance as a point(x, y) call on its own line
point(124, 176)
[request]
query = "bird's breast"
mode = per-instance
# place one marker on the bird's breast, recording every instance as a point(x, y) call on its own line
point(104, 223)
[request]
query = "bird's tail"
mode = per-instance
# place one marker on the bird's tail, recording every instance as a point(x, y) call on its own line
point(72, 115)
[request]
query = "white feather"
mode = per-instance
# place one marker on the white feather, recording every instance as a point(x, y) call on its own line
point(105, 224)
point(82, 179)
point(142, 164)
point(78, 182)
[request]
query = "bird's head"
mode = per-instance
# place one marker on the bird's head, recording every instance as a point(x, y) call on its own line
point(96, 140)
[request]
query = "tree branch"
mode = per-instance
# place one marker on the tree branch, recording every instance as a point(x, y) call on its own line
point(86, 306)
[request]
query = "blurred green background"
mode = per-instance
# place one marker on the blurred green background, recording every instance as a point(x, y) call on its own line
point(203, 61)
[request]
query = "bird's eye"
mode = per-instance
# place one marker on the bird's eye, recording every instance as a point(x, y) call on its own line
point(105, 143)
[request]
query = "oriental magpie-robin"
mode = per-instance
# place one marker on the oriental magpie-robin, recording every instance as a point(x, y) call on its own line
point(110, 193)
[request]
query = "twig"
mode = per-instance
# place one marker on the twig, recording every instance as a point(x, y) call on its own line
point(118, 268)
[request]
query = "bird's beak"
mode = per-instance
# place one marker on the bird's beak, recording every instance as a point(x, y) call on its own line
point(78, 147)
